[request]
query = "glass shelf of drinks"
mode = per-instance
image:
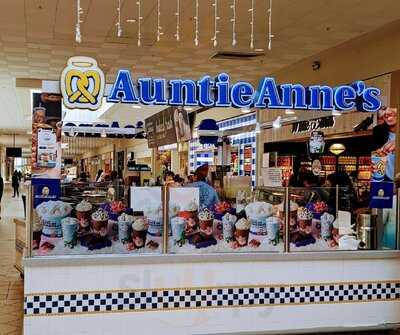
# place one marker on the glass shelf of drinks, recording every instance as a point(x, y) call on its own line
point(267, 219)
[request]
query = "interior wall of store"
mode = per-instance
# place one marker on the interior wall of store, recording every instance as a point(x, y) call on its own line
point(370, 55)
point(142, 154)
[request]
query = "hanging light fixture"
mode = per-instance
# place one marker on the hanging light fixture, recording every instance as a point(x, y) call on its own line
point(196, 25)
point(216, 18)
point(177, 20)
point(270, 35)
point(139, 21)
point(118, 24)
point(251, 10)
point(79, 11)
point(159, 28)
point(337, 148)
point(233, 20)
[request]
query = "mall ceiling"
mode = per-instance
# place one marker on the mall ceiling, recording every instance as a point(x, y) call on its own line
point(38, 36)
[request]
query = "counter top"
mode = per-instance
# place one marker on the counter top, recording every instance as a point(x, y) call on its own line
point(112, 259)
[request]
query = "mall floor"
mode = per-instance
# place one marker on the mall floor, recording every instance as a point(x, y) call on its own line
point(11, 285)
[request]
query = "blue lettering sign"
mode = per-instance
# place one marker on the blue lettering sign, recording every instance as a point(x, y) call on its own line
point(177, 88)
point(295, 92)
point(205, 84)
point(267, 91)
point(345, 97)
point(242, 94)
point(218, 92)
point(222, 85)
point(122, 90)
point(152, 91)
point(316, 98)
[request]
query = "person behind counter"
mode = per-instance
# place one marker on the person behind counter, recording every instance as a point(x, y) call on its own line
point(178, 181)
point(169, 178)
point(83, 177)
point(313, 191)
point(208, 195)
point(347, 194)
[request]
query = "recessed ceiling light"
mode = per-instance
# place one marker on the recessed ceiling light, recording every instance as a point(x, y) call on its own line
point(189, 108)
point(336, 113)
point(289, 111)
point(136, 106)
point(246, 110)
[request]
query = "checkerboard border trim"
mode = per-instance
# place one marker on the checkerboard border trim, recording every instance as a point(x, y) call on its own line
point(173, 299)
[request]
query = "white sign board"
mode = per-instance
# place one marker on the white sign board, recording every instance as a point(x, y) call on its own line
point(265, 160)
point(272, 177)
point(145, 198)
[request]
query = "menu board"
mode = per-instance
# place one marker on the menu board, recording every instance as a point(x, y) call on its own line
point(46, 148)
point(272, 177)
point(169, 126)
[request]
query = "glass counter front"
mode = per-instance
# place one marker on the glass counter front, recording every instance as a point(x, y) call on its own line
point(108, 219)
point(253, 223)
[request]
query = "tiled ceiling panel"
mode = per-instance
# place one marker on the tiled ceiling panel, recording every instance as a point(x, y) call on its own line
point(38, 36)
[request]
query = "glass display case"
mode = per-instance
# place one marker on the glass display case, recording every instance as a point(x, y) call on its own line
point(96, 218)
point(91, 219)
point(312, 219)
point(251, 223)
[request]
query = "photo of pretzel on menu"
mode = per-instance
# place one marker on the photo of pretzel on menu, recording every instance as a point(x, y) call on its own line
point(384, 137)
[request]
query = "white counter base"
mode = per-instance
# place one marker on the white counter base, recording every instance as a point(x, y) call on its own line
point(227, 294)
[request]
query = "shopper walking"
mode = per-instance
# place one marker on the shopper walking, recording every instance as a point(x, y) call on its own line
point(24, 192)
point(15, 183)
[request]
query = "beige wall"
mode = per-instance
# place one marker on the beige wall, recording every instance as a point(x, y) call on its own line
point(368, 56)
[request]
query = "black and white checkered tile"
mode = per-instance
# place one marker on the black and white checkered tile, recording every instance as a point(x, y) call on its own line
point(200, 298)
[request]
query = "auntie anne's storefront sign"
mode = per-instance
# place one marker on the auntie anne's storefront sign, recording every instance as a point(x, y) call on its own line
point(83, 86)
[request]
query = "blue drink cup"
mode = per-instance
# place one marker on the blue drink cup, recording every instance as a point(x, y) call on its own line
point(52, 226)
point(70, 230)
point(258, 226)
point(272, 228)
point(227, 230)
point(378, 166)
point(124, 231)
point(155, 226)
point(177, 227)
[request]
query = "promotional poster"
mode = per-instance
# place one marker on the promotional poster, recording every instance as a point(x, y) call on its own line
point(384, 138)
point(167, 127)
point(45, 190)
point(46, 136)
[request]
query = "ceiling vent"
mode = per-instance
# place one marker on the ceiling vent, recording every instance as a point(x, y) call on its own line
point(237, 55)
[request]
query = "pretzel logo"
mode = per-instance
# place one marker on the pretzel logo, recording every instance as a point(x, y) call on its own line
point(82, 83)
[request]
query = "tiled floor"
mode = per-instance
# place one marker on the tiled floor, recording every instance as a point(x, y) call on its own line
point(11, 285)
